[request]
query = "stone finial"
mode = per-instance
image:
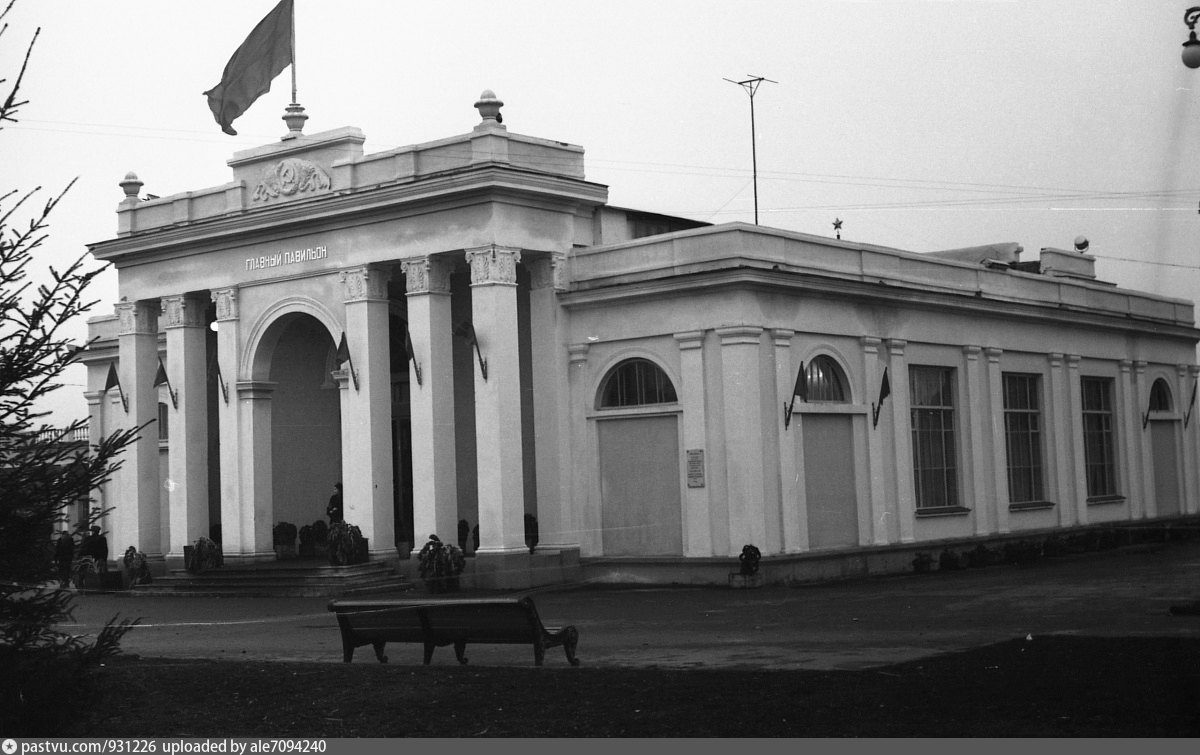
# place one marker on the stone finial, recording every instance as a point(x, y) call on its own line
point(131, 185)
point(294, 117)
point(489, 106)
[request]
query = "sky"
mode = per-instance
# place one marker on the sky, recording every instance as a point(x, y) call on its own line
point(922, 125)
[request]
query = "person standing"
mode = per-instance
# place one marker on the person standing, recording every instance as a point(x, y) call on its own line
point(334, 509)
point(64, 556)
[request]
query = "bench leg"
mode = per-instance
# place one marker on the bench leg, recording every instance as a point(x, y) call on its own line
point(379, 651)
point(571, 640)
point(429, 646)
point(539, 652)
point(460, 650)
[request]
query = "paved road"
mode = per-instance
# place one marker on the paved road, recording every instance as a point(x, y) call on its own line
point(856, 624)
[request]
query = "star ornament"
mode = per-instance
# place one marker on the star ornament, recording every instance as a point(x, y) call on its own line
point(837, 226)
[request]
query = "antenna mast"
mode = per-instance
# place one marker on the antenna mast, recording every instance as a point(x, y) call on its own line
point(751, 86)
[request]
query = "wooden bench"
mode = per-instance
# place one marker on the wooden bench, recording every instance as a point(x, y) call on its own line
point(439, 623)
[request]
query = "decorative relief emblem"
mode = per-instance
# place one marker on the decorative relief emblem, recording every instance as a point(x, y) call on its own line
point(289, 177)
point(181, 312)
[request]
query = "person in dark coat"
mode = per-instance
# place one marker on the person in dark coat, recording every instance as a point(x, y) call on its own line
point(64, 556)
point(96, 546)
point(334, 509)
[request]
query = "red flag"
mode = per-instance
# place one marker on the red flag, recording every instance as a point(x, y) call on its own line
point(248, 74)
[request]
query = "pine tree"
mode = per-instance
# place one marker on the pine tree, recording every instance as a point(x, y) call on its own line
point(45, 670)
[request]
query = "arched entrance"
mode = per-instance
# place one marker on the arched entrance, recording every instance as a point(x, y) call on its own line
point(306, 435)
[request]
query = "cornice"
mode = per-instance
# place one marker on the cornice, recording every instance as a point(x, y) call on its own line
point(491, 182)
point(817, 286)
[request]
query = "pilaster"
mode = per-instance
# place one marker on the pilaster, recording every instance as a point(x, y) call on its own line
point(902, 439)
point(1145, 504)
point(741, 383)
point(235, 543)
point(1075, 417)
point(999, 451)
point(976, 406)
point(558, 526)
point(697, 529)
point(873, 379)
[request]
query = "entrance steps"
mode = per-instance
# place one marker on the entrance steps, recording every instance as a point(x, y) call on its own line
point(305, 578)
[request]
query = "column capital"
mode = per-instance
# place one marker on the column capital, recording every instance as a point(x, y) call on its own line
point(365, 283)
point(1072, 361)
point(493, 265)
point(93, 398)
point(1139, 367)
point(548, 271)
point(1125, 365)
point(972, 352)
point(993, 353)
point(578, 353)
point(426, 275)
point(691, 339)
point(1055, 359)
point(896, 346)
point(740, 334)
point(136, 318)
point(782, 337)
point(182, 311)
point(870, 344)
point(255, 389)
point(226, 300)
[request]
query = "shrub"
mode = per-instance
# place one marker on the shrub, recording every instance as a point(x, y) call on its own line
point(439, 564)
point(346, 545)
point(206, 554)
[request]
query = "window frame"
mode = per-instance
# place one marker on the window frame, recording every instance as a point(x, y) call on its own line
point(641, 369)
point(935, 438)
point(1024, 425)
point(1099, 425)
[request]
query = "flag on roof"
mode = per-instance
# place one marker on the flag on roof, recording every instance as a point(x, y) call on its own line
point(248, 74)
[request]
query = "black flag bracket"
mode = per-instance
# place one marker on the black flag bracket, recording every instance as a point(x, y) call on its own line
point(885, 390)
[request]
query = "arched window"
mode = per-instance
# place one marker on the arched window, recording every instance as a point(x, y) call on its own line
point(824, 381)
point(636, 382)
point(1160, 396)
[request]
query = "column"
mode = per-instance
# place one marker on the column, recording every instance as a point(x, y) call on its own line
point(999, 455)
point(976, 404)
point(902, 440)
point(697, 530)
point(368, 498)
point(99, 427)
point(435, 487)
point(741, 383)
point(234, 543)
point(873, 381)
point(499, 449)
point(256, 513)
point(183, 319)
point(557, 525)
point(138, 513)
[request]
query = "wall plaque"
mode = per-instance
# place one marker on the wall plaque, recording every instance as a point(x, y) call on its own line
point(695, 467)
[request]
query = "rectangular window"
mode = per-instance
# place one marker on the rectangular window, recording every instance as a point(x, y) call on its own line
point(1099, 437)
point(1023, 437)
point(935, 452)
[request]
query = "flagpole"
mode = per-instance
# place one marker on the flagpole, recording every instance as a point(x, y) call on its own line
point(294, 52)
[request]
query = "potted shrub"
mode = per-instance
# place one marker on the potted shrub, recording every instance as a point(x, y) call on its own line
point(308, 542)
point(137, 571)
point(284, 536)
point(205, 554)
point(320, 538)
point(346, 545)
point(440, 565)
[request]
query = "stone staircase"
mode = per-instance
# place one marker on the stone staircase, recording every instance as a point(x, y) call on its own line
point(297, 578)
